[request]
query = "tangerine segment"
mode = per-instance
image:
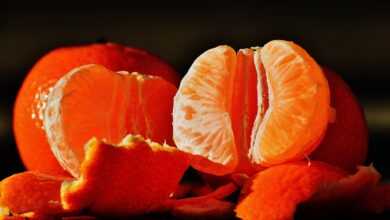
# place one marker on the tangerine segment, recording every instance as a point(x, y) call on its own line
point(94, 101)
point(202, 123)
point(276, 192)
point(244, 105)
point(297, 115)
point(31, 192)
point(135, 177)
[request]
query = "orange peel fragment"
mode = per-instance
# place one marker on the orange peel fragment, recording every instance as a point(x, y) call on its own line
point(135, 177)
point(276, 192)
point(30, 192)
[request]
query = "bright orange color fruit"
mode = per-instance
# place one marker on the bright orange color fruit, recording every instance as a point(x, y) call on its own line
point(261, 106)
point(135, 177)
point(32, 98)
point(31, 192)
point(345, 143)
point(276, 192)
point(92, 100)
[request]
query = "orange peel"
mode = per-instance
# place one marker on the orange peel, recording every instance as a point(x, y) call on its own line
point(276, 192)
point(31, 101)
point(31, 192)
point(135, 177)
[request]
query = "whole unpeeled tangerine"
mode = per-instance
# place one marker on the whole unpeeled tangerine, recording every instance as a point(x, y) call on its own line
point(345, 143)
point(31, 101)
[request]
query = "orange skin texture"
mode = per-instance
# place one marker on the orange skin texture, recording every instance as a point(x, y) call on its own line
point(345, 143)
point(275, 193)
point(30, 137)
point(128, 180)
point(31, 192)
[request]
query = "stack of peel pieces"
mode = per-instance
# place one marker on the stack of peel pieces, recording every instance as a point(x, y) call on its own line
point(266, 128)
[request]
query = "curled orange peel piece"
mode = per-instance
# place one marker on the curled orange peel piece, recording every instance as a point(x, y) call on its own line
point(30, 193)
point(276, 192)
point(135, 177)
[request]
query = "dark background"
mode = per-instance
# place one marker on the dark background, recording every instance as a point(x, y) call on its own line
point(353, 39)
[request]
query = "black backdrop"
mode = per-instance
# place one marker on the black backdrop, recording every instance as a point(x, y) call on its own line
point(353, 39)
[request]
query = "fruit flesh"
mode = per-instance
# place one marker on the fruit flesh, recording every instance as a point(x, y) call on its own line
point(223, 95)
point(244, 105)
point(297, 116)
point(32, 96)
point(94, 101)
point(261, 106)
point(202, 124)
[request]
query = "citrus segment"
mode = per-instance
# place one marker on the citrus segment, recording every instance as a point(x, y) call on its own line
point(125, 179)
point(32, 97)
point(297, 116)
point(261, 106)
point(276, 192)
point(244, 105)
point(201, 119)
point(94, 101)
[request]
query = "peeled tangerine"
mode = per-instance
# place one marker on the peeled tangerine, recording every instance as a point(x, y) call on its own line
point(275, 193)
point(259, 106)
point(135, 177)
point(32, 97)
point(93, 101)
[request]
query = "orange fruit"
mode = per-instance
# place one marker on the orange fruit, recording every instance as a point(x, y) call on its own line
point(32, 98)
point(31, 192)
point(92, 100)
point(345, 143)
point(276, 192)
point(135, 177)
point(219, 115)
